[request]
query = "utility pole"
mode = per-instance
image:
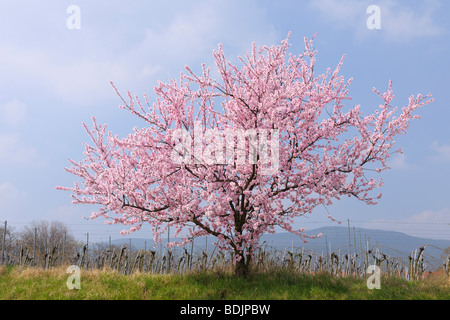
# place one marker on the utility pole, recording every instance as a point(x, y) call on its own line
point(34, 247)
point(64, 247)
point(168, 237)
point(87, 250)
point(4, 244)
point(349, 244)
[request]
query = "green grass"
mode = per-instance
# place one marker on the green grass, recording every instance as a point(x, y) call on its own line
point(36, 284)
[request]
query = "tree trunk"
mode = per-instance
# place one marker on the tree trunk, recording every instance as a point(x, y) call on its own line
point(241, 268)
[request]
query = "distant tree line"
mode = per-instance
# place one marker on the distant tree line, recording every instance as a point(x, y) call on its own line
point(39, 237)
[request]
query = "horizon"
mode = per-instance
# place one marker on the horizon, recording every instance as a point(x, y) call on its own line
point(104, 235)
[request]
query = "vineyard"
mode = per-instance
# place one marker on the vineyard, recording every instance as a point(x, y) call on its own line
point(127, 260)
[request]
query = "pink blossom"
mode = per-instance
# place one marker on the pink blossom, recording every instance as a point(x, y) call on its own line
point(135, 179)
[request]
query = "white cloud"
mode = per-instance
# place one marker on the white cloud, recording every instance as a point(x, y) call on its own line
point(77, 65)
point(345, 13)
point(5, 190)
point(442, 152)
point(13, 152)
point(427, 224)
point(10, 196)
point(77, 81)
point(13, 112)
point(398, 162)
point(399, 21)
point(404, 23)
point(69, 213)
point(191, 35)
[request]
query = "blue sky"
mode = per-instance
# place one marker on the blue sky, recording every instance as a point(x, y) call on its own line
point(53, 78)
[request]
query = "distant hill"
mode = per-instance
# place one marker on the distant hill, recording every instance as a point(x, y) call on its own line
point(395, 244)
point(391, 242)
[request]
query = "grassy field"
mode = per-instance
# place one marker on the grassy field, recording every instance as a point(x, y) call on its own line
point(37, 284)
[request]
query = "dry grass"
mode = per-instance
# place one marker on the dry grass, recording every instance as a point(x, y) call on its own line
point(278, 284)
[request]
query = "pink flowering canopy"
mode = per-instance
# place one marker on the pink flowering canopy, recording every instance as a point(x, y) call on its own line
point(237, 156)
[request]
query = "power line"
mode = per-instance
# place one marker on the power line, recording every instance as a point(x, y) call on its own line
point(399, 222)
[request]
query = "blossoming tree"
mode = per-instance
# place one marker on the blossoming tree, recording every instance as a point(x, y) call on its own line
point(238, 156)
